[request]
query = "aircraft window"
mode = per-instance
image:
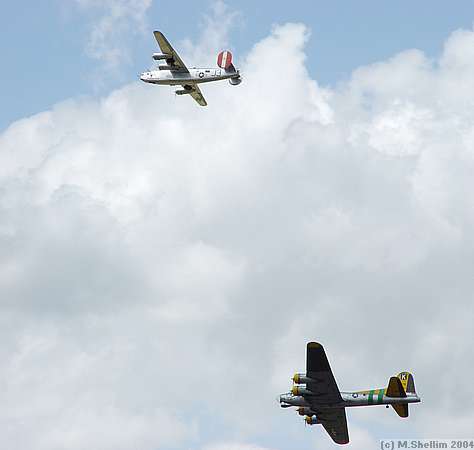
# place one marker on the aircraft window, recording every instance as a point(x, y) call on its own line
point(207, 70)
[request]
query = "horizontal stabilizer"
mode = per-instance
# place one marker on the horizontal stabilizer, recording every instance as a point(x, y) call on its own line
point(395, 388)
point(401, 409)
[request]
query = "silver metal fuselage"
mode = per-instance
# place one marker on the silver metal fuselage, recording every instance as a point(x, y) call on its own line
point(194, 76)
point(351, 399)
point(365, 399)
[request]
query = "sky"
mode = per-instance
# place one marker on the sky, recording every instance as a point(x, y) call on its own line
point(163, 265)
point(47, 54)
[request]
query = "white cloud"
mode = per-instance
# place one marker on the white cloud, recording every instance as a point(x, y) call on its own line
point(162, 264)
point(215, 29)
point(113, 19)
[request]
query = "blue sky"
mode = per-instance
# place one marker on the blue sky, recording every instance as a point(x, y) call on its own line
point(43, 58)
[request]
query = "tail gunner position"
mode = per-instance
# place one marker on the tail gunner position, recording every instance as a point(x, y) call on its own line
point(175, 72)
point(318, 398)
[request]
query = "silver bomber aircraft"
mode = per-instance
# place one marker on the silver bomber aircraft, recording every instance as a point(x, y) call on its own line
point(175, 72)
point(317, 396)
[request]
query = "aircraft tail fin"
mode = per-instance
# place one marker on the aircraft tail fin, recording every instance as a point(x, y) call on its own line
point(395, 388)
point(408, 382)
point(398, 387)
point(224, 61)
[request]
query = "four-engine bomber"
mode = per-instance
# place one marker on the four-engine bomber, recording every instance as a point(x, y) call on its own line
point(317, 396)
point(175, 72)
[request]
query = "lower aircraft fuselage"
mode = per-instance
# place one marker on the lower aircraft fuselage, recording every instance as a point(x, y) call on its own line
point(358, 398)
point(194, 76)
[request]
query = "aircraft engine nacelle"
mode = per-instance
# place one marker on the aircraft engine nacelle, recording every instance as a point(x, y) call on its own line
point(300, 390)
point(183, 91)
point(301, 378)
point(312, 420)
point(235, 81)
point(305, 411)
point(158, 56)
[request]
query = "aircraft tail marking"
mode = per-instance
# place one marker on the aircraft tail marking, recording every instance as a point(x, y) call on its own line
point(224, 60)
point(398, 387)
point(408, 382)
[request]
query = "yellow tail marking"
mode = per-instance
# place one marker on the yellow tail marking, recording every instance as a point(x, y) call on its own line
point(403, 377)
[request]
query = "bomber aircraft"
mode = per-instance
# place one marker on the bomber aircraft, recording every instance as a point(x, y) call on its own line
point(318, 398)
point(175, 72)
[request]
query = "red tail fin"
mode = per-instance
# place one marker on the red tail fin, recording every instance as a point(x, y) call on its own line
point(224, 60)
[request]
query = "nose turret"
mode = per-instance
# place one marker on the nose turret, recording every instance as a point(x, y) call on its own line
point(145, 76)
point(284, 398)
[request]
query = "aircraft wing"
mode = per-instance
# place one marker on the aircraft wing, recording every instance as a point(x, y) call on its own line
point(196, 93)
point(324, 387)
point(325, 393)
point(174, 60)
point(335, 423)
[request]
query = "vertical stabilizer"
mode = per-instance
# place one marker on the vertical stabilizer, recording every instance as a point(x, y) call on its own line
point(224, 61)
point(395, 388)
point(398, 387)
point(408, 382)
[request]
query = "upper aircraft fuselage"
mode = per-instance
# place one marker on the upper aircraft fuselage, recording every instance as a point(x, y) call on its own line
point(375, 397)
point(357, 398)
point(195, 75)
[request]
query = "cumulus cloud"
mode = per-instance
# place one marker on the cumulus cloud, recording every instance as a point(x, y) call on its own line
point(163, 265)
